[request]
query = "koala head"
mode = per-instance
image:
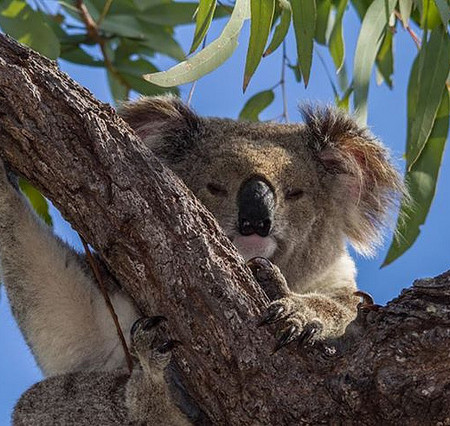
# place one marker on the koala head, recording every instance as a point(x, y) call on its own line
point(292, 193)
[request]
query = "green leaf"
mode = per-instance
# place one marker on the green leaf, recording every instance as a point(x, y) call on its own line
point(261, 22)
point(203, 18)
point(444, 10)
point(421, 180)
point(119, 90)
point(323, 19)
point(297, 72)
point(78, 56)
point(344, 101)
point(255, 105)
point(173, 14)
point(211, 57)
point(159, 40)
point(336, 43)
point(432, 73)
point(282, 28)
point(37, 201)
point(123, 25)
point(304, 18)
point(27, 26)
point(369, 41)
point(385, 59)
point(405, 10)
point(430, 17)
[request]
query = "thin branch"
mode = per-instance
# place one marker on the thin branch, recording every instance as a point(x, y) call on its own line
point(104, 12)
point(283, 84)
point(413, 35)
point(94, 34)
point(101, 284)
point(194, 84)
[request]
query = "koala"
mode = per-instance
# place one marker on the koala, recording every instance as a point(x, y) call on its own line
point(293, 194)
point(106, 398)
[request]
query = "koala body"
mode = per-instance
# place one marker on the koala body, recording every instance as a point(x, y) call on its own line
point(295, 194)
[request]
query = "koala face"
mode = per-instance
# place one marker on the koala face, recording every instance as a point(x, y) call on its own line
point(267, 208)
point(294, 194)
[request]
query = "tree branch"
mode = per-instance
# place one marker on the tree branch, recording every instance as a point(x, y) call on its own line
point(170, 255)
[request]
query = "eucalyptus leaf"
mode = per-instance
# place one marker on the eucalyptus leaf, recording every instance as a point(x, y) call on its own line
point(282, 28)
point(203, 18)
point(119, 90)
point(433, 73)
point(212, 56)
point(304, 16)
point(421, 179)
point(261, 22)
point(323, 19)
point(444, 11)
point(336, 42)
point(369, 41)
point(37, 201)
point(27, 26)
point(430, 15)
point(255, 105)
point(385, 59)
point(176, 13)
point(405, 7)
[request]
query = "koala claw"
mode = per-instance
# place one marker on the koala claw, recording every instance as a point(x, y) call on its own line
point(168, 346)
point(150, 342)
point(273, 315)
point(297, 333)
point(146, 323)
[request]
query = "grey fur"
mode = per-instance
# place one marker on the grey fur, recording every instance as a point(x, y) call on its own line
point(349, 186)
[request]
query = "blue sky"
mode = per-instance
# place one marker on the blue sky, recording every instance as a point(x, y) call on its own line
point(220, 94)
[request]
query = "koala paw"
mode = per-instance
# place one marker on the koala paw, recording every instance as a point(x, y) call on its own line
point(294, 321)
point(150, 342)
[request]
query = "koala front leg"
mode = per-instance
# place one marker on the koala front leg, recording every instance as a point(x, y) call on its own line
point(147, 393)
point(52, 294)
point(303, 317)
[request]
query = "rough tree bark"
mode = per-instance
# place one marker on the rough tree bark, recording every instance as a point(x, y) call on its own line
point(170, 255)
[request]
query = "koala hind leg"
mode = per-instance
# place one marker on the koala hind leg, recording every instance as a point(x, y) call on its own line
point(147, 393)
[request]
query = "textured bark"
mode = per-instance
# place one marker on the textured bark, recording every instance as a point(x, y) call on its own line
point(167, 251)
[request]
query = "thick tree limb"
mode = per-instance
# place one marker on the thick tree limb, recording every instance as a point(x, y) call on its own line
point(169, 254)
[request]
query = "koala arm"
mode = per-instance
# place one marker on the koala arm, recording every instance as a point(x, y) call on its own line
point(110, 398)
point(318, 310)
point(53, 297)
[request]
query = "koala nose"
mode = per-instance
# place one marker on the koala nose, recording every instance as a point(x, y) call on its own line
point(256, 203)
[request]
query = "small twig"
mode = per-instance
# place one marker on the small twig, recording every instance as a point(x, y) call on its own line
point(413, 35)
point(194, 84)
point(98, 276)
point(283, 84)
point(94, 34)
point(104, 12)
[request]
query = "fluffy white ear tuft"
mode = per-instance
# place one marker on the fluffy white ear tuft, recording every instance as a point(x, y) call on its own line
point(366, 175)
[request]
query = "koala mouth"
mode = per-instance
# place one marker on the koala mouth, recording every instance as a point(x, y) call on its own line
point(250, 246)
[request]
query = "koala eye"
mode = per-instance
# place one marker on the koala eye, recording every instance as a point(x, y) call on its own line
point(294, 194)
point(217, 190)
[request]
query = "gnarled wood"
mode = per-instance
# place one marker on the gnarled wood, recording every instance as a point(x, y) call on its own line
point(169, 254)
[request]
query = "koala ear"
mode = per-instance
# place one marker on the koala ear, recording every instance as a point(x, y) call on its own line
point(165, 123)
point(366, 180)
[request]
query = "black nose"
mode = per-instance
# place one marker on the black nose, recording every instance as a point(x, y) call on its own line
point(256, 202)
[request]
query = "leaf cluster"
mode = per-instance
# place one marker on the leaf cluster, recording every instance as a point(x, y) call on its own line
point(125, 37)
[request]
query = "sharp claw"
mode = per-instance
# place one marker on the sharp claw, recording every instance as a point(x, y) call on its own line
point(308, 332)
point(287, 337)
point(147, 323)
point(153, 322)
point(168, 346)
point(272, 316)
point(135, 325)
